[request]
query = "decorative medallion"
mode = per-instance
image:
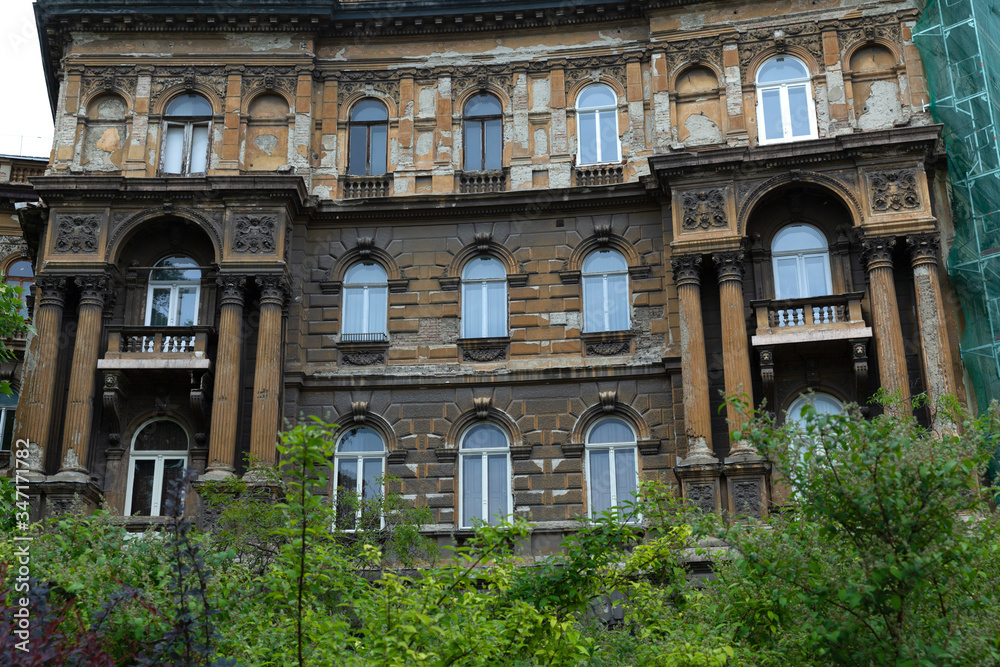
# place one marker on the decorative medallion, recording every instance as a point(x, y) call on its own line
point(77, 233)
point(704, 209)
point(254, 234)
point(894, 190)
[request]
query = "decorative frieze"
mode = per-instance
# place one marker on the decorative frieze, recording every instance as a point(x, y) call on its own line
point(609, 348)
point(77, 233)
point(893, 191)
point(254, 234)
point(704, 209)
point(484, 354)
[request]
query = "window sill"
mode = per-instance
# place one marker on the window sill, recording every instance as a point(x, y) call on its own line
point(484, 350)
point(363, 352)
point(607, 343)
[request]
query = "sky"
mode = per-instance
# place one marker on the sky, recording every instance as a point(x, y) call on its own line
point(25, 115)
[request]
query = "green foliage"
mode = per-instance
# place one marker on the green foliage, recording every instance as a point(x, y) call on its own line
point(12, 323)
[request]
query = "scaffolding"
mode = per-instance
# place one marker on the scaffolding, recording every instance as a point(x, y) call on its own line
point(959, 41)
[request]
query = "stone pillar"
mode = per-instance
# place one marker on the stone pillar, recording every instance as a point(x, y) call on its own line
point(226, 399)
point(885, 315)
point(735, 351)
point(34, 412)
point(934, 348)
point(694, 368)
point(267, 374)
point(82, 378)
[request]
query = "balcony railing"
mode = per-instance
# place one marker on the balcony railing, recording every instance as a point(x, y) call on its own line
point(482, 181)
point(600, 174)
point(22, 174)
point(147, 345)
point(818, 317)
point(365, 187)
point(364, 338)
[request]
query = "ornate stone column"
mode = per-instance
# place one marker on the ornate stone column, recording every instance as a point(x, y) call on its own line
point(735, 351)
point(877, 251)
point(80, 400)
point(34, 413)
point(267, 374)
point(226, 395)
point(934, 348)
point(694, 367)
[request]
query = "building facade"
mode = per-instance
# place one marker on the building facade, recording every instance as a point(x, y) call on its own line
point(518, 255)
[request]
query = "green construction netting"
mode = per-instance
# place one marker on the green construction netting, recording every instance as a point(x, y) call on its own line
point(959, 42)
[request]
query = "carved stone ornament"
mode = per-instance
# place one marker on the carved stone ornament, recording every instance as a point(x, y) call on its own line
point(730, 265)
point(609, 348)
point(77, 233)
point(483, 240)
point(893, 191)
point(701, 496)
point(704, 209)
point(746, 497)
point(53, 290)
point(359, 410)
point(923, 248)
point(482, 405)
point(365, 246)
point(231, 289)
point(877, 251)
point(484, 354)
point(94, 289)
point(602, 234)
point(273, 289)
point(254, 234)
point(362, 358)
point(608, 400)
point(687, 269)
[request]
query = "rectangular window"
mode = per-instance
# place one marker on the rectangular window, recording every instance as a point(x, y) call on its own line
point(497, 487)
point(473, 145)
point(798, 111)
point(358, 151)
point(617, 302)
point(787, 278)
point(187, 306)
point(496, 316)
point(7, 419)
point(817, 279)
point(625, 476)
point(609, 136)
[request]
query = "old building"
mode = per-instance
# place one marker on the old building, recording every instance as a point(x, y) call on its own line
point(518, 254)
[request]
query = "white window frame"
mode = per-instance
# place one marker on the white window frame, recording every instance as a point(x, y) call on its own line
point(468, 285)
point(186, 151)
point(482, 453)
point(800, 262)
point(606, 301)
point(175, 287)
point(358, 457)
point(8, 413)
point(786, 115)
point(366, 302)
point(159, 457)
point(612, 465)
point(580, 112)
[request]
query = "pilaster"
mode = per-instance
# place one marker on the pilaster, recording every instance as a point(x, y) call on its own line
point(877, 251)
point(226, 394)
point(267, 374)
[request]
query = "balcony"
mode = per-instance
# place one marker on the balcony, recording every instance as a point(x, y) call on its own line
point(156, 348)
point(482, 181)
point(811, 319)
point(366, 187)
point(600, 174)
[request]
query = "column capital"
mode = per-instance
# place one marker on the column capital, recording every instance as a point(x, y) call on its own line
point(923, 248)
point(877, 251)
point(94, 289)
point(687, 269)
point(273, 289)
point(232, 289)
point(730, 265)
point(53, 290)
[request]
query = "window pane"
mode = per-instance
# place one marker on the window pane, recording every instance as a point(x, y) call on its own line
point(472, 489)
point(173, 470)
point(199, 149)
point(625, 475)
point(786, 278)
point(189, 105)
point(159, 307)
point(484, 436)
point(798, 237)
point(498, 487)
point(798, 106)
point(352, 319)
point(609, 137)
point(781, 69)
point(610, 432)
point(483, 104)
point(20, 269)
point(494, 144)
point(161, 436)
point(603, 261)
point(473, 145)
point(378, 156)
point(187, 306)
point(618, 302)
point(588, 137)
point(173, 269)
point(593, 303)
point(496, 298)
point(142, 487)
point(369, 110)
point(8, 430)
point(596, 96)
point(358, 150)
point(770, 101)
point(347, 489)
point(817, 270)
point(366, 274)
point(472, 309)
point(483, 267)
point(360, 440)
point(599, 481)
point(371, 488)
point(377, 304)
point(173, 149)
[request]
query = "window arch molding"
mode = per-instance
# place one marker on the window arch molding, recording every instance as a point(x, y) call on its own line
point(753, 65)
point(474, 416)
point(600, 410)
point(483, 247)
point(889, 46)
point(801, 394)
point(839, 190)
point(365, 250)
point(376, 422)
point(257, 94)
point(135, 224)
point(574, 93)
point(603, 238)
point(490, 89)
point(169, 95)
point(108, 93)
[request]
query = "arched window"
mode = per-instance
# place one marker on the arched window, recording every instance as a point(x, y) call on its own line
point(366, 301)
point(8, 406)
point(823, 404)
point(483, 134)
point(360, 467)
point(484, 298)
point(612, 473)
point(159, 456)
point(605, 291)
point(173, 295)
point(369, 136)
point(186, 135)
point(801, 261)
point(597, 125)
point(20, 274)
point(484, 475)
point(785, 109)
